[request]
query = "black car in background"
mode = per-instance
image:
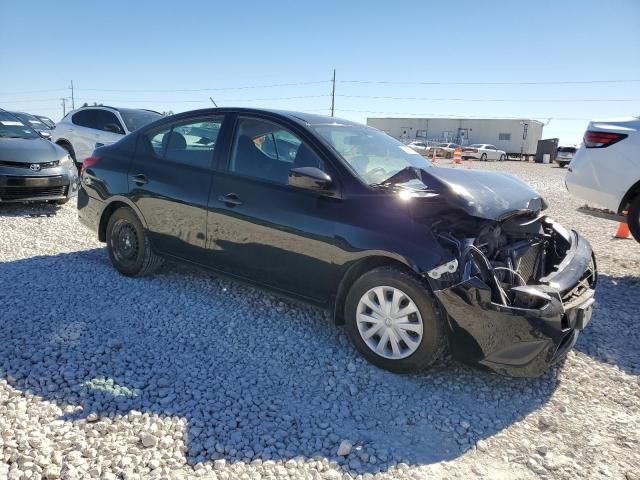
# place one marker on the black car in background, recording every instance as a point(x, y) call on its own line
point(32, 168)
point(410, 257)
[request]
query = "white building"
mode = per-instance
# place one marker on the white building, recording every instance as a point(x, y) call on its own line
point(513, 136)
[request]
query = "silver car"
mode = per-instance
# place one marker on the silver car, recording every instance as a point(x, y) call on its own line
point(32, 168)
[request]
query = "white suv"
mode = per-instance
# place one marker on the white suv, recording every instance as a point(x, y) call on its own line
point(605, 171)
point(84, 129)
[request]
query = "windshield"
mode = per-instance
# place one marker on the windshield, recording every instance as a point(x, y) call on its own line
point(12, 127)
point(47, 121)
point(31, 120)
point(135, 119)
point(567, 150)
point(374, 156)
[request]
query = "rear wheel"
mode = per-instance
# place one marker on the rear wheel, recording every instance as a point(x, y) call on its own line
point(393, 321)
point(483, 157)
point(71, 153)
point(633, 218)
point(128, 245)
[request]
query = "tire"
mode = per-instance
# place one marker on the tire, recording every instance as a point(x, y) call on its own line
point(448, 155)
point(503, 157)
point(633, 218)
point(562, 164)
point(128, 245)
point(428, 346)
point(71, 152)
point(483, 157)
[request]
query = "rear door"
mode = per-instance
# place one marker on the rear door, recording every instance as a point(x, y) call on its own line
point(260, 228)
point(83, 132)
point(169, 181)
point(108, 128)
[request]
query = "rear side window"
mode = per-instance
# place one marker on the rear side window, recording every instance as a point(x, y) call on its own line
point(85, 118)
point(191, 142)
point(104, 118)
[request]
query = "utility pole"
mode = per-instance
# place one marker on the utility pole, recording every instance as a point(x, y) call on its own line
point(73, 100)
point(333, 92)
point(64, 106)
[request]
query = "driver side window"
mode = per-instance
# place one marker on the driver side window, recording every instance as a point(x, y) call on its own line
point(266, 150)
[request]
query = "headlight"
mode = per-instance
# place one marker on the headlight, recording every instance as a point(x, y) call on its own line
point(66, 161)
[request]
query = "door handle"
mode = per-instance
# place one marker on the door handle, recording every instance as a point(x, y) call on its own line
point(230, 199)
point(139, 179)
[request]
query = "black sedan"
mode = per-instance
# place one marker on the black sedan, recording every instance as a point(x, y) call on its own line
point(411, 258)
point(32, 168)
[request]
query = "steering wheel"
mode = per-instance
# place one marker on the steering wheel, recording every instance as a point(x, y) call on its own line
point(377, 172)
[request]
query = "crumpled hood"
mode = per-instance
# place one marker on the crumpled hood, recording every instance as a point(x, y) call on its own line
point(23, 150)
point(488, 195)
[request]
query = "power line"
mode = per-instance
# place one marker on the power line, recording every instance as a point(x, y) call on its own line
point(553, 82)
point(462, 117)
point(554, 100)
point(244, 87)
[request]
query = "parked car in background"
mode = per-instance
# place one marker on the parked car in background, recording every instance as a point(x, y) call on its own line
point(32, 168)
point(605, 171)
point(442, 149)
point(565, 155)
point(84, 129)
point(471, 264)
point(483, 152)
point(34, 122)
point(47, 121)
point(418, 146)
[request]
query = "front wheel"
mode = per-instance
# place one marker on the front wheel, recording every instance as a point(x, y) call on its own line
point(128, 245)
point(633, 218)
point(503, 157)
point(483, 157)
point(393, 321)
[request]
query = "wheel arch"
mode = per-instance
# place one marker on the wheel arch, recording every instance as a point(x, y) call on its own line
point(115, 204)
point(355, 271)
point(629, 196)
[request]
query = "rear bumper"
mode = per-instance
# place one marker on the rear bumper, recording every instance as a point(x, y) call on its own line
point(16, 185)
point(90, 210)
point(523, 342)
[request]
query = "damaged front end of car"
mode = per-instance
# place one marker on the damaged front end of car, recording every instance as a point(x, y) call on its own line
point(517, 290)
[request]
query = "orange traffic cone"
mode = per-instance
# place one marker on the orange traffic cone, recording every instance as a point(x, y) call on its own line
point(623, 231)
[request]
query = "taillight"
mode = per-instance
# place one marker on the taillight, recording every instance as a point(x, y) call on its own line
point(89, 162)
point(593, 139)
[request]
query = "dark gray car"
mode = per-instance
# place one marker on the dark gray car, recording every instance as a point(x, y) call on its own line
point(32, 168)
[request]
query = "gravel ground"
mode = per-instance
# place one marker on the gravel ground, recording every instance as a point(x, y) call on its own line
point(186, 375)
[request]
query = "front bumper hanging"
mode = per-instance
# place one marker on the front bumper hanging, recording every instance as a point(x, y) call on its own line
point(517, 341)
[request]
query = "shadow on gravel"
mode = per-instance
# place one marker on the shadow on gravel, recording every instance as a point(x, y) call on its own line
point(254, 376)
point(613, 335)
point(29, 209)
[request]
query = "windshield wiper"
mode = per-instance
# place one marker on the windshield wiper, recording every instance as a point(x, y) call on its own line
point(401, 176)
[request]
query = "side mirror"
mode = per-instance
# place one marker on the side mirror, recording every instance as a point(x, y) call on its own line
point(310, 178)
point(113, 128)
point(44, 134)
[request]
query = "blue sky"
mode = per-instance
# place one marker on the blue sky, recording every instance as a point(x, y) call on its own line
point(147, 49)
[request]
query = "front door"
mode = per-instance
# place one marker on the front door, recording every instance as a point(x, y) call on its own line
point(169, 181)
point(260, 228)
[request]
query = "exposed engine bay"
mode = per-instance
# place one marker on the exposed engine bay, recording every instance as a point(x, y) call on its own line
point(507, 256)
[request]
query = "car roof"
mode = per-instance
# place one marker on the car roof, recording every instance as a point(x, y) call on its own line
point(298, 117)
